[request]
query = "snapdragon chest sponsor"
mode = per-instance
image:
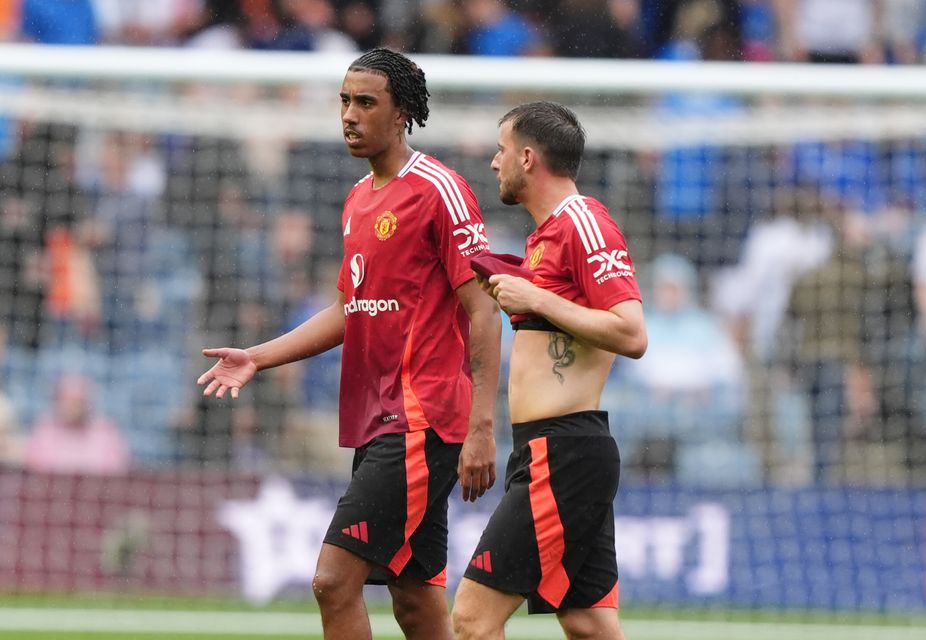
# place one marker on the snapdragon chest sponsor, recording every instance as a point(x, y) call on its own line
point(370, 306)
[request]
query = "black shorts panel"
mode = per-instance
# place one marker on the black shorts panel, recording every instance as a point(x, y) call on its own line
point(394, 512)
point(551, 538)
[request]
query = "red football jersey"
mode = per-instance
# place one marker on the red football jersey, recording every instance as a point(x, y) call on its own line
point(407, 246)
point(580, 254)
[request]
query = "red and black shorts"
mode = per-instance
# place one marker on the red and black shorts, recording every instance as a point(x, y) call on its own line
point(551, 538)
point(394, 513)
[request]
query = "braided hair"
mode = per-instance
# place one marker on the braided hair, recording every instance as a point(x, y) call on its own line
point(406, 81)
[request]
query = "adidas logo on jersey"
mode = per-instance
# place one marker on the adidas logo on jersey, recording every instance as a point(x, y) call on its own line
point(483, 561)
point(357, 531)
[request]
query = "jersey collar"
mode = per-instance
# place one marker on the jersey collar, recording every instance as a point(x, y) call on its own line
point(566, 202)
point(411, 163)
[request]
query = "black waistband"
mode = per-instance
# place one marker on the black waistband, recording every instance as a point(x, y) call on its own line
point(535, 323)
point(580, 423)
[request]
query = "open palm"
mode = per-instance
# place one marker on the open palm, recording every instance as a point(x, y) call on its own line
point(233, 370)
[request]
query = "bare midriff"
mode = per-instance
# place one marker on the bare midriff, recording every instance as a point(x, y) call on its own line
point(553, 374)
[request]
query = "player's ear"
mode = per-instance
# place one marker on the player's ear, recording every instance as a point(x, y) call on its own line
point(401, 120)
point(529, 158)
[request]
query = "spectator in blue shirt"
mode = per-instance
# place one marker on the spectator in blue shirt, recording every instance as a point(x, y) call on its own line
point(496, 30)
point(65, 22)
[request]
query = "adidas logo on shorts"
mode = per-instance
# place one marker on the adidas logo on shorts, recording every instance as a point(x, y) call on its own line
point(358, 531)
point(483, 561)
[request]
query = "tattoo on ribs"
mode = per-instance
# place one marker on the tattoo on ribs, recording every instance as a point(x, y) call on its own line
point(560, 350)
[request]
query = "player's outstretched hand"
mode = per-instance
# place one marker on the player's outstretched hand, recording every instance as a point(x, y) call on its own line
point(476, 468)
point(233, 370)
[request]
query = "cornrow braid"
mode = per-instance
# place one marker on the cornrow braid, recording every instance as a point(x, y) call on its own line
point(406, 81)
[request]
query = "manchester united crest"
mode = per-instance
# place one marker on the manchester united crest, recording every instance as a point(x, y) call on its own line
point(536, 255)
point(385, 225)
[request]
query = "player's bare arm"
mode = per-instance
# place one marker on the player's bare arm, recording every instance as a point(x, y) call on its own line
point(236, 367)
point(620, 329)
point(477, 459)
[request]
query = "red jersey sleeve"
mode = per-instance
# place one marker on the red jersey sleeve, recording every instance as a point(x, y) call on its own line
point(460, 231)
point(599, 258)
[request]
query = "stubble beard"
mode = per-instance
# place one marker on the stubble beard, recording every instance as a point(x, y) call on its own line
point(508, 191)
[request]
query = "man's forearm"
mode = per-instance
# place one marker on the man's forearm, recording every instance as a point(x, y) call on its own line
point(319, 333)
point(619, 330)
point(484, 362)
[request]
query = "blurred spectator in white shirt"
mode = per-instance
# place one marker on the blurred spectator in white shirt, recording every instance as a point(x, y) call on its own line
point(839, 31)
point(143, 22)
point(754, 294)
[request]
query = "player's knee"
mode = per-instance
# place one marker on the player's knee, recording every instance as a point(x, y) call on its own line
point(591, 624)
point(578, 629)
point(408, 611)
point(403, 609)
point(463, 623)
point(329, 590)
point(468, 624)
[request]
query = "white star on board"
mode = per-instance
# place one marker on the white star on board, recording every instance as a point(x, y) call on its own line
point(280, 536)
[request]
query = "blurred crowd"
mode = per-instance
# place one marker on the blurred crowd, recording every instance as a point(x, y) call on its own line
point(867, 31)
point(785, 284)
point(785, 311)
point(116, 269)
